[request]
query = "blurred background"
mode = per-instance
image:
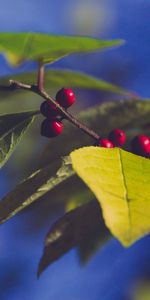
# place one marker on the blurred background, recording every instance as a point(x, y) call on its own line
point(113, 273)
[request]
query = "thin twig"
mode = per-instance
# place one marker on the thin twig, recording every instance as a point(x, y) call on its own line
point(15, 85)
point(41, 73)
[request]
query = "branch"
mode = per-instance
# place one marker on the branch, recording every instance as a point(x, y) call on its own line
point(38, 89)
point(70, 117)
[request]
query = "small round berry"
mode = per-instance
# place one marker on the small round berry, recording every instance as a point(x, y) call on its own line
point(48, 109)
point(105, 143)
point(51, 128)
point(118, 137)
point(141, 145)
point(65, 97)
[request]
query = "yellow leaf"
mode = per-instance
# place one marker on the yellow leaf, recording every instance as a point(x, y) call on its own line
point(121, 182)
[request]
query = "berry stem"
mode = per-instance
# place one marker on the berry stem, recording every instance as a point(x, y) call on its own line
point(39, 90)
point(40, 79)
point(70, 117)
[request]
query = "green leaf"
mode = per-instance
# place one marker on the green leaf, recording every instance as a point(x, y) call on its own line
point(35, 186)
point(55, 79)
point(19, 47)
point(121, 182)
point(79, 199)
point(69, 231)
point(59, 78)
point(128, 115)
point(12, 128)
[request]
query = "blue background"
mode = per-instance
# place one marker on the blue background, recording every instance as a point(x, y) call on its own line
point(113, 272)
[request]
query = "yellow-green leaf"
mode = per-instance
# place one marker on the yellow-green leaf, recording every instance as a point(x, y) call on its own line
point(121, 182)
point(19, 47)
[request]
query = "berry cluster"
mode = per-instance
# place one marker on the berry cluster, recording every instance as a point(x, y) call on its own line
point(52, 126)
point(140, 144)
point(116, 138)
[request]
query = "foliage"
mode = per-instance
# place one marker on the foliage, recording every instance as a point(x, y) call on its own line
point(55, 79)
point(118, 179)
point(12, 128)
point(126, 114)
point(43, 180)
point(121, 183)
point(19, 47)
point(69, 232)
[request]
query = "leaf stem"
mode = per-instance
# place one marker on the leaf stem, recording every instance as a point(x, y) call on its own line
point(39, 90)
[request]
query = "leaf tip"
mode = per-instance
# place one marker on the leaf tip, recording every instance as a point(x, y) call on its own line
point(40, 269)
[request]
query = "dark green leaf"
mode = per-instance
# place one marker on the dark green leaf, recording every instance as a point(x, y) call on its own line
point(55, 79)
point(38, 184)
point(12, 128)
point(69, 231)
point(94, 240)
point(19, 47)
point(92, 244)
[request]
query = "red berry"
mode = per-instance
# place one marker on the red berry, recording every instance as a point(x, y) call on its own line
point(49, 110)
point(105, 143)
point(141, 145)
point(118, 137)
point(51, 128)
point(65, 97)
